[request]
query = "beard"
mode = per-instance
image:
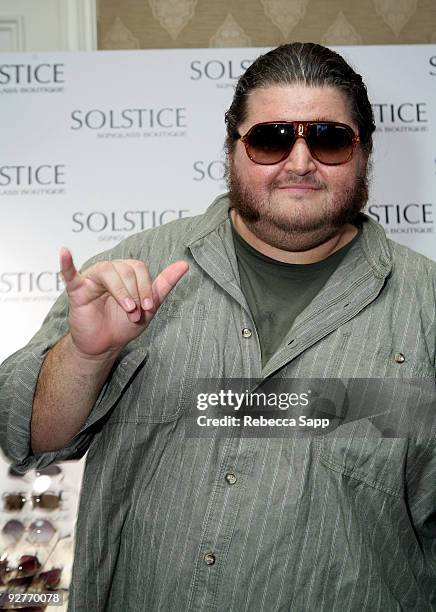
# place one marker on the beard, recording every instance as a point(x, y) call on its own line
point(297, 229)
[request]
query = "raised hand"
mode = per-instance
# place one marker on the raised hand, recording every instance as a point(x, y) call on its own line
point(112, 302)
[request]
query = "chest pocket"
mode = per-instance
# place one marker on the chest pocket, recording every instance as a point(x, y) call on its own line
point(380, 421)
point(360, 351)
point(164, 384)
point(359, 452)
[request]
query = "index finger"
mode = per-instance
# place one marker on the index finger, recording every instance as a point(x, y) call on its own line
point(68, 269)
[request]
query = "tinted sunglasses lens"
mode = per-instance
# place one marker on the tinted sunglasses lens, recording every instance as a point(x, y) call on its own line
point(330, 143)
point(50, 579)
point(13, 530)
point(269, 143)
point(14, 501)
point(51, 470)
point(46, 501)
point(41, 532)
point(28, 565)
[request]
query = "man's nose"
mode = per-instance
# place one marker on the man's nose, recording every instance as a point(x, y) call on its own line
point(300, 160)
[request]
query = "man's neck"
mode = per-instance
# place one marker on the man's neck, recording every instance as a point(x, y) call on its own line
point(318, 253)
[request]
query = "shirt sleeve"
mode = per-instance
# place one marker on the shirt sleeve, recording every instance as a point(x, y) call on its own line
point(18, 379)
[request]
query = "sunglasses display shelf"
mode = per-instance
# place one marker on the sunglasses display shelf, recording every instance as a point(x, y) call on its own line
point(37, 518)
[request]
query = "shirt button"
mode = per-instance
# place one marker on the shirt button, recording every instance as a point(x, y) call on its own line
point(399, 358)
point(231, 478)
point(209, 558)
point(246, 332)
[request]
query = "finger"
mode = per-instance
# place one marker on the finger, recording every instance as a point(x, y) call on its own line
point(167, 280)
point(68, 270)
point(144, 283)
point(128, 275)
point(105, 278)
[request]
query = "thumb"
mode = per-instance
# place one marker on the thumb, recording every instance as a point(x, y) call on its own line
point(167, 280)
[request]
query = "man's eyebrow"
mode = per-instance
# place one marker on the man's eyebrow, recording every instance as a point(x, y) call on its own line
point(324, 118)
point(318, 118)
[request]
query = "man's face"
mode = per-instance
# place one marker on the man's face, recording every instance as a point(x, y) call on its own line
point(298, 203)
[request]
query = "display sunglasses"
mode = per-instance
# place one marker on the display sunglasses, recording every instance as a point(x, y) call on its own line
point(40, 531)
point(51, 470)
point(29, 567)
point(22, 575)
point(329, 142)
point(14, 502)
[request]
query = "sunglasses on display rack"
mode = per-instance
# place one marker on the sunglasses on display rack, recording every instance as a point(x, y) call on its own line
point(28, 572)
point(22, 575)
point(271, 142)
point(14, 502)
point(51, 470)
point(40, 531)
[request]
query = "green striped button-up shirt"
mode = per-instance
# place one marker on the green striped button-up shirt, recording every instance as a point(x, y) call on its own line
point(231, 523)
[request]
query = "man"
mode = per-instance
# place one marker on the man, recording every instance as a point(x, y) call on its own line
point(283, 278)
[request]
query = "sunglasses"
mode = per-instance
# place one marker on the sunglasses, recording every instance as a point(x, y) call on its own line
point(46, 501)
point(39, 531)
point(29, 567)
point(51, 470)
point(329, 142)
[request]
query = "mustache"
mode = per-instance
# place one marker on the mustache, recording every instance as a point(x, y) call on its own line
point(305, 181)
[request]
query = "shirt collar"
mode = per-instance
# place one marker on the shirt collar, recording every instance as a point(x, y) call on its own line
point(373, 242)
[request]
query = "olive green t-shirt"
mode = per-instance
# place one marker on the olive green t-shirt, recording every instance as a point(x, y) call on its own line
point(277, 292)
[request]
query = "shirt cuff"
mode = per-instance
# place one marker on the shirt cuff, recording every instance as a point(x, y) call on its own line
point(18, 447)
